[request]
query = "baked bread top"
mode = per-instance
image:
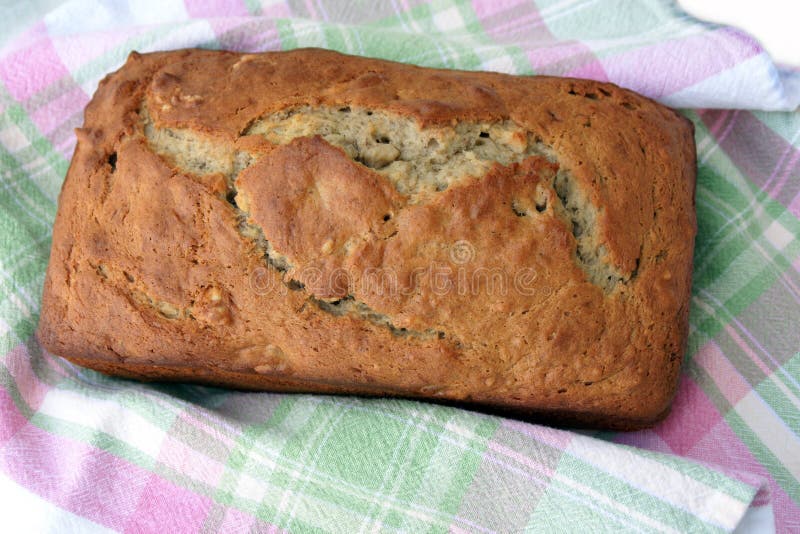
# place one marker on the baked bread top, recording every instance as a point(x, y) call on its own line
point(320, 222)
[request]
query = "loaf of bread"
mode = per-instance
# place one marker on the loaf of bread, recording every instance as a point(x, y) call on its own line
point(307, 221)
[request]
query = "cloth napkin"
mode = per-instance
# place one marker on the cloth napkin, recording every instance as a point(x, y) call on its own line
point(80, 451)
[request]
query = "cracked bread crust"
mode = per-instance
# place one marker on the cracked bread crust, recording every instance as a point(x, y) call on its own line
point(197, 240)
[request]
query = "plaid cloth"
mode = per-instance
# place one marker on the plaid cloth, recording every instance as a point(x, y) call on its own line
point(81, 451)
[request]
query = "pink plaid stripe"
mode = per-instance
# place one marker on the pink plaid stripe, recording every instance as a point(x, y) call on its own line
point(525, 23)
point(692, 415)
point(165, 507)
point(76, 51)
point(236, 521)
point(569, 58)
point(215, 8)
point(551, 436)
point(50, 116)
point(728, 379)
point(244, 34)
point(31, 390)
point(484, 9)
point(64, 478)
point(12, 419)
point(29, 70)
point(628, 68)
point(184, 459)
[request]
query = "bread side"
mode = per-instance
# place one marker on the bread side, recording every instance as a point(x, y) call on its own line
point(308, 221)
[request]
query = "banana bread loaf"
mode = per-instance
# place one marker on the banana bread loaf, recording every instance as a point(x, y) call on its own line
point(310, 221)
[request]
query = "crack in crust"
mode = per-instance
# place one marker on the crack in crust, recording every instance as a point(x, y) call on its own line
point(339, 307)
point(419, 162)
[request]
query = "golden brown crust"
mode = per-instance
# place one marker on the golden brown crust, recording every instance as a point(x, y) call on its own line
point(150, 276)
